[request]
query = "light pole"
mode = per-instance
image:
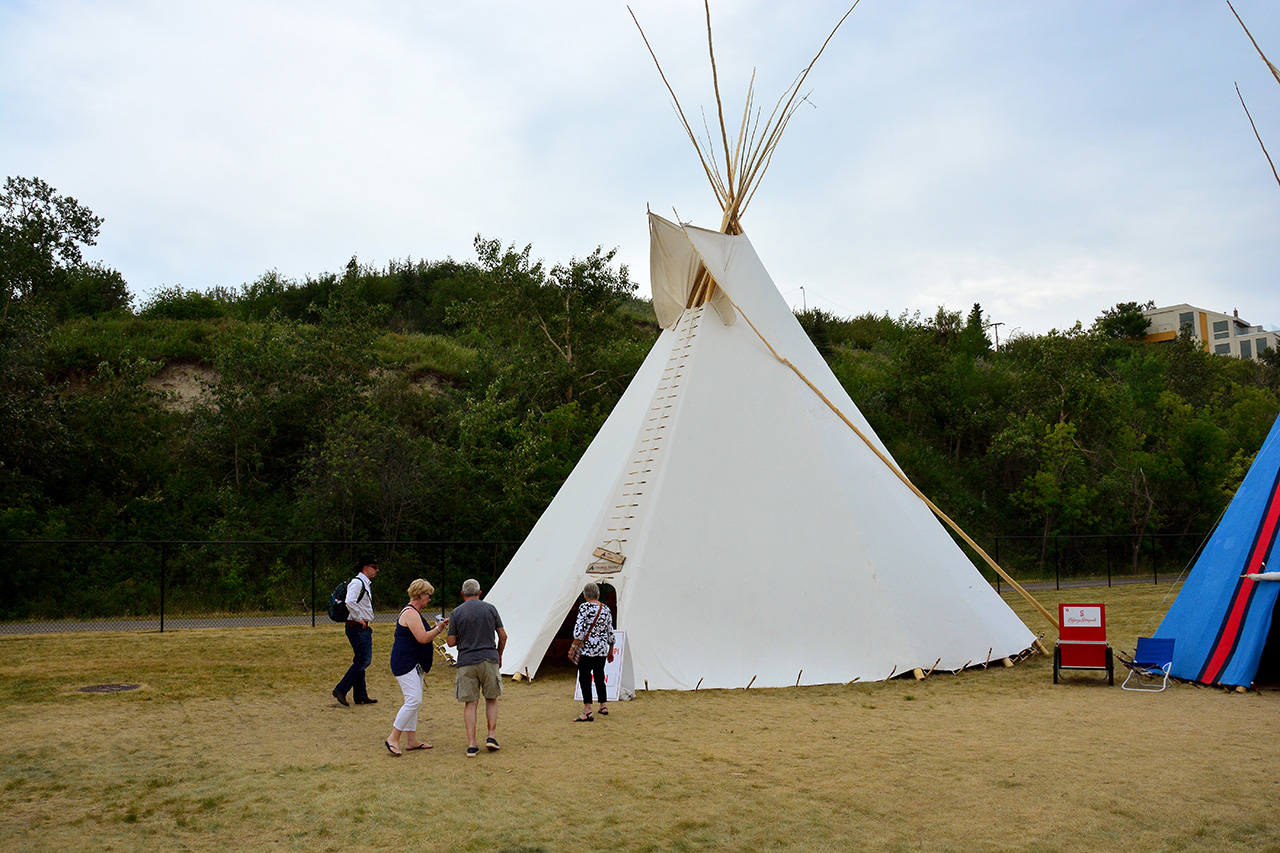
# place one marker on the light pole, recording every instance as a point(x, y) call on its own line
point(996, 326)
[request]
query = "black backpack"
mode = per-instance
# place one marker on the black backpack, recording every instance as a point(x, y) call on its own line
point(338, 601)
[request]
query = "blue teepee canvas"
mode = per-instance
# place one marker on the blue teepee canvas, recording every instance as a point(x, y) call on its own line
point(1220, 620)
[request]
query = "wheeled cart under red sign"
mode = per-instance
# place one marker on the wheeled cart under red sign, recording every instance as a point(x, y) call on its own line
point(1082, 640)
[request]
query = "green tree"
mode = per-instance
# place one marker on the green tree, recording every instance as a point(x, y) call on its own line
point(279, 384)
point(973, 337)
point(558, 336)
point(42, 237)
point(1060, 492)
point(31, 408)
point(1124, 320)
point(369, 477)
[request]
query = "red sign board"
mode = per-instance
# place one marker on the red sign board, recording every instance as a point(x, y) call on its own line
point(1082, 637)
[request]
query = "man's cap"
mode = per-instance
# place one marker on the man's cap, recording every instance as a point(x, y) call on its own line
point(367, 561)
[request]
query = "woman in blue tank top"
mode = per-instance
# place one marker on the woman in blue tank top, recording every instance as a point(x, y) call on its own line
point(411, 656)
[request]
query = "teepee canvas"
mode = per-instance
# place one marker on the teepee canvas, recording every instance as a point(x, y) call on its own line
point(761, 540)
point(752, 527)
point(1222, 622)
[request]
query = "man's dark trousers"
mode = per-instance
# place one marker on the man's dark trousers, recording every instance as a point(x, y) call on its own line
point(361, 640)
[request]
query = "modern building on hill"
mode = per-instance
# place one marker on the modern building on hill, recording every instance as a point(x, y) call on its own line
point(1223, 334)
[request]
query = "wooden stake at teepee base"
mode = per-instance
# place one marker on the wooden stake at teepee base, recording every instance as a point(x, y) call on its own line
point(749, 683)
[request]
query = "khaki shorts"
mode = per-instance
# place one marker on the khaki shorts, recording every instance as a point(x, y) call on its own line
point(476, 679)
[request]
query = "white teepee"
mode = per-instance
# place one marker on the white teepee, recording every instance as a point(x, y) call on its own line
point(763, 540)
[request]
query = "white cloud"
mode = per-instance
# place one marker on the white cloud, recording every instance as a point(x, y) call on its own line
point(1045, 159)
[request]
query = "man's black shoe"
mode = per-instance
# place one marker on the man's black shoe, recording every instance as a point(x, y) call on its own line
point(341, 697)
point(366, 702)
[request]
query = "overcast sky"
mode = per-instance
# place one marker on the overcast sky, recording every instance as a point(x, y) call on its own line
point(1046, 158)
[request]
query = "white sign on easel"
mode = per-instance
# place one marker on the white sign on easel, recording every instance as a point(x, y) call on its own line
point(612, 670)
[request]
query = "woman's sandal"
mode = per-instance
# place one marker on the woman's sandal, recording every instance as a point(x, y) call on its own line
point(584, 718)
point(395, 751)
point(604, 712)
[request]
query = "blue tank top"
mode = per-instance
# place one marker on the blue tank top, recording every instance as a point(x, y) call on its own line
point(407, 652)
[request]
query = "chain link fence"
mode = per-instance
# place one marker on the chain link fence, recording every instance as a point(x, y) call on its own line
point(85, 585)
point(78, 585)
point(1057, 562)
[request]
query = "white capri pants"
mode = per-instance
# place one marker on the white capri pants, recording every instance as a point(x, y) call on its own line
point(411, 685)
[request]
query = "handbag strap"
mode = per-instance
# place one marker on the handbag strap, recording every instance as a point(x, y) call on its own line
point(592, 626)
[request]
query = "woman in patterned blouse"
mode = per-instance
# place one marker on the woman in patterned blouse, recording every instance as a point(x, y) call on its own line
point(595, 628)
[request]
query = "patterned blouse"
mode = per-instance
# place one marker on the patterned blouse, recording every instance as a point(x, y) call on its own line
point(601, 639)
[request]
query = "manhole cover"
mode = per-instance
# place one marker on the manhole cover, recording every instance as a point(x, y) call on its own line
point(108, 688)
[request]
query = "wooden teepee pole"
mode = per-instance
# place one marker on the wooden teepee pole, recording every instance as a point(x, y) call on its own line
point(745, 160)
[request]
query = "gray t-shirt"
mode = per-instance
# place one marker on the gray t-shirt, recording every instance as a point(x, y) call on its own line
point(475, 624)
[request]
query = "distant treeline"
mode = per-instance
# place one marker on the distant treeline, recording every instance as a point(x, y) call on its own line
point(448, 400)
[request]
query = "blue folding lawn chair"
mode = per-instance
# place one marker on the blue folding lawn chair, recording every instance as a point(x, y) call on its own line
point(1150, 663)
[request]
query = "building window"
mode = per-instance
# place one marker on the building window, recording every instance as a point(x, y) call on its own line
point(1246, 349)
point(1187, 320)
point(1263, 345)
point(1221, 329)
point(1222, 349)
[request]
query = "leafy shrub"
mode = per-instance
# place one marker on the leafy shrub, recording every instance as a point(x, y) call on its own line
point(174, 303)
point(82, 344)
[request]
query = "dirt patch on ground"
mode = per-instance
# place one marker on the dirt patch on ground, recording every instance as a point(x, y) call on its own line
point(182, 385)
point(429, 383)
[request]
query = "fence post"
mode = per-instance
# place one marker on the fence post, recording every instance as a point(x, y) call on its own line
point(1057, 560)
point(164, 561)
point(1155, 571)
point(313, 584)
point(1107, 543)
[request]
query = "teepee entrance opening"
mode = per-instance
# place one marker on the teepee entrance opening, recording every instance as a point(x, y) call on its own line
point(1269, 666)
point(559, 648)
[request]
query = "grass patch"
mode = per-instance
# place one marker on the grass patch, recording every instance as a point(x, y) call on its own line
point(208, 756)
point(80, 345)
point(419, 353)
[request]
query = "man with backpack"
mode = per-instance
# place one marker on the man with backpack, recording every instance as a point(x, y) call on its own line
point(359, 604)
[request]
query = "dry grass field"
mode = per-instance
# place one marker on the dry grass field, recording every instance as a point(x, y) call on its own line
point(233, 742)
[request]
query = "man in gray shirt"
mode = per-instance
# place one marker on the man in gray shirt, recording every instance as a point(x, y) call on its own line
point(475, 629)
